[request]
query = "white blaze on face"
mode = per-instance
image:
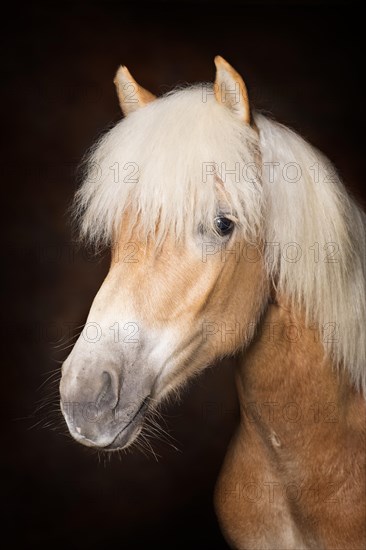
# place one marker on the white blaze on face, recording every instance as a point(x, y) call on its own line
point(117, 364)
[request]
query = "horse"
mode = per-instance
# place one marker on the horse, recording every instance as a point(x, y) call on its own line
point(230, 237)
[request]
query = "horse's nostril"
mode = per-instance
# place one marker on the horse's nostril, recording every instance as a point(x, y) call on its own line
point(106, 377)
point(108, 395)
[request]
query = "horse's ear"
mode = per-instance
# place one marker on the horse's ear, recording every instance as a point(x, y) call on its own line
point(131, 96)
point(230, 89)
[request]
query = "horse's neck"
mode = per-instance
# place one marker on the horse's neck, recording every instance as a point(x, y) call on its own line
point(298, 453)
point(285, 376)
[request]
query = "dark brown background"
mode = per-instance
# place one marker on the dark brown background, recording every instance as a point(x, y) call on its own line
point(302, 64)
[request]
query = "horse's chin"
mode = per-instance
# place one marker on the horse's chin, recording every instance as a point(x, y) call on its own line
point(127, 435)
point(124, 439)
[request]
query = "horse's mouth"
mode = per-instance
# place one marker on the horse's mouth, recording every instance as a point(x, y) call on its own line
point(130, 431)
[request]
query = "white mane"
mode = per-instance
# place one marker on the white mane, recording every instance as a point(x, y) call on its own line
point(316, 210)
point(152, 164)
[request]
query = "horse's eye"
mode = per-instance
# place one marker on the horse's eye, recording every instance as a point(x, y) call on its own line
point(223, 226)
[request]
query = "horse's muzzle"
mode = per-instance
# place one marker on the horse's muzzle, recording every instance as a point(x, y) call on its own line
point(105, 420)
